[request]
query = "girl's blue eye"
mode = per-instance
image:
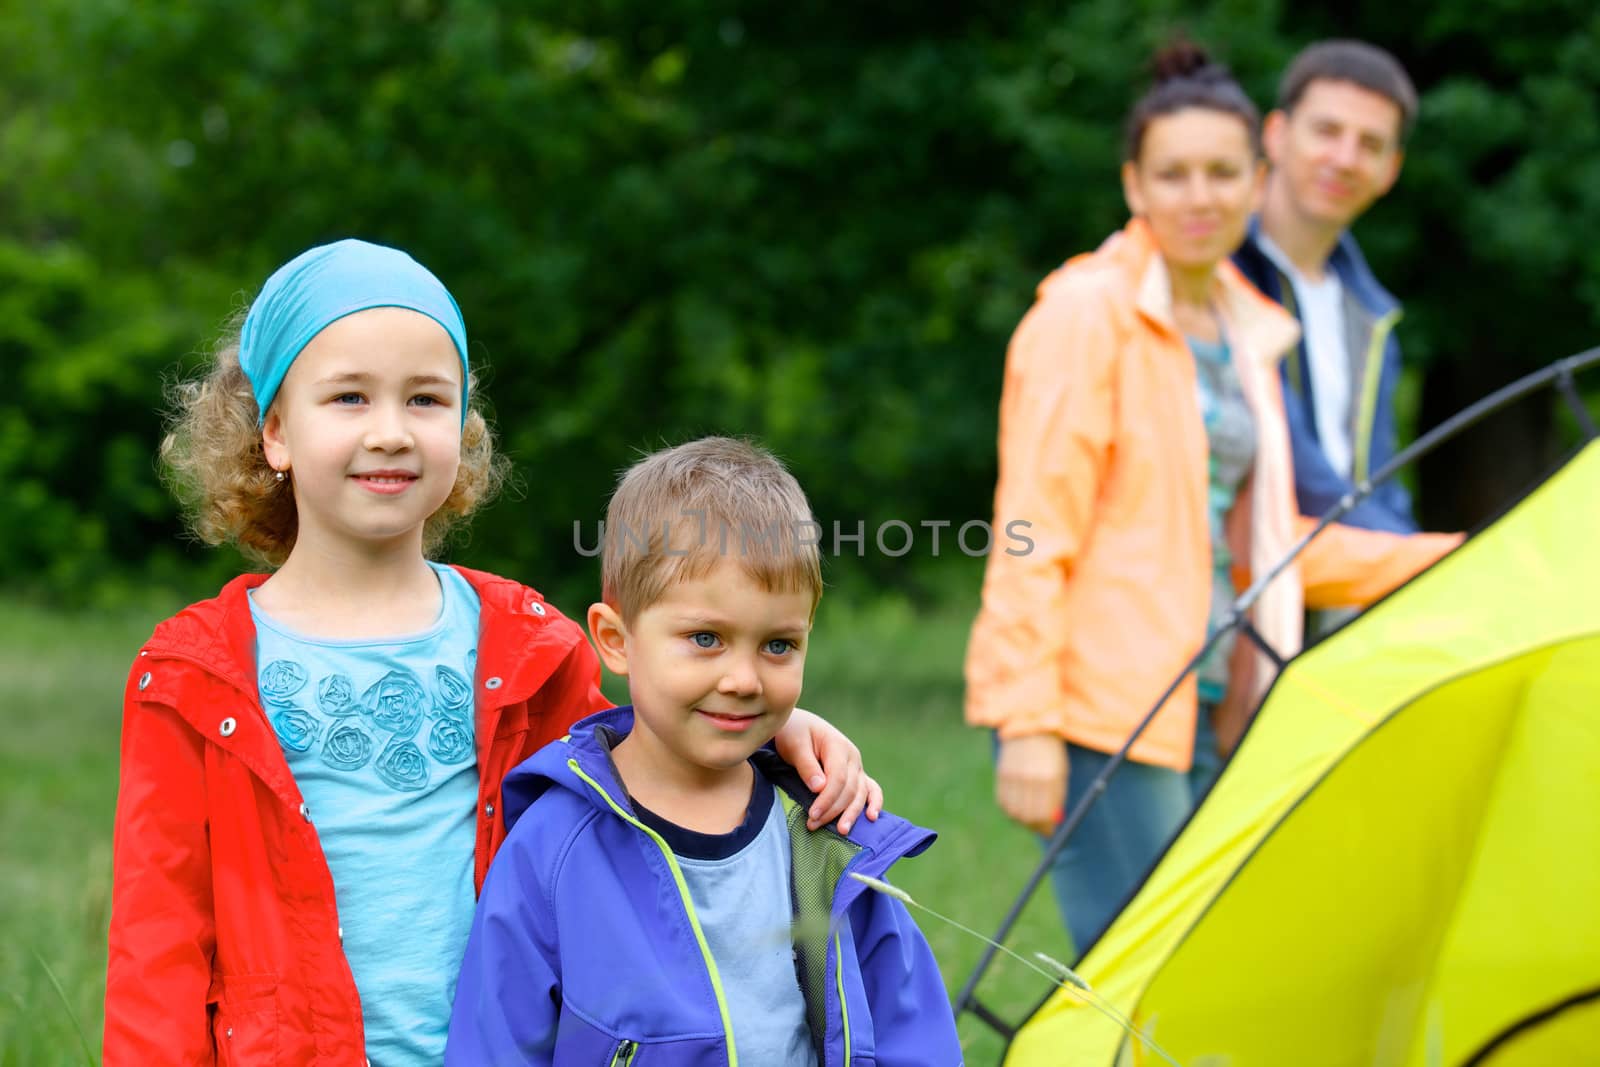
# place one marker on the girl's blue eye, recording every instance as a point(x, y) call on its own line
point(426, 401)
point(779, 646)
point(704, 639)
point(347, 398)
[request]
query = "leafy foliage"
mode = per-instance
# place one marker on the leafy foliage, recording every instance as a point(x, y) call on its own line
point(816, 224)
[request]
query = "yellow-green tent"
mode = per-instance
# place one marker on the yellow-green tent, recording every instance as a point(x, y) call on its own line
point(1401, 864)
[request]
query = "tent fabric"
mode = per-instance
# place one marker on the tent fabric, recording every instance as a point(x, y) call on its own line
point(1401, 863)
point(1562, 1035)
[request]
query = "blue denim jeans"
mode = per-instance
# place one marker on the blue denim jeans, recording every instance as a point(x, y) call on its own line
point(1112, 850)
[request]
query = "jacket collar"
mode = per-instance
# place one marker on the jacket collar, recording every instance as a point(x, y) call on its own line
point(589, 745)
point(1347, 261)
point(519, 640)
point(1256, 325)
point(216, 635)
point(521, 643)
point(219, 635)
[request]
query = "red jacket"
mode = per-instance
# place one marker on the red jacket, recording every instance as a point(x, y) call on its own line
point(224, 945)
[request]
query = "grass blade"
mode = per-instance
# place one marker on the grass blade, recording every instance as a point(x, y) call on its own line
point(77, 1027)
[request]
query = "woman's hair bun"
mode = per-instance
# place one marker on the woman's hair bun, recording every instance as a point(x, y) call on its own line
point(1182, 59)
point(1186, 76)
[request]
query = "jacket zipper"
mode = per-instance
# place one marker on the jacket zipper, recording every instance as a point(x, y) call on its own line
point(688, 906)
point(1367, 414)
point(1371, 378)
point(838, 978)
point(625, 1053)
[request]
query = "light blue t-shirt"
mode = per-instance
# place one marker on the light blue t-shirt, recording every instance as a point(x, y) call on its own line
point(739, 883)
point(379, 735)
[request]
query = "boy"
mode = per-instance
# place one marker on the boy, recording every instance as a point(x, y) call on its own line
point(658, 899)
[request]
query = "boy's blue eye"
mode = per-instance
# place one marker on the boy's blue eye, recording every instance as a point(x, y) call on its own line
point(704, 639)
point(779, 646)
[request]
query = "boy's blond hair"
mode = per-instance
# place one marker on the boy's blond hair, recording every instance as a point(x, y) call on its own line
point(678, 512)
point(214, 461)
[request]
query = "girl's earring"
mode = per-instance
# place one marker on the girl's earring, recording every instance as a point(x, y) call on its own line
point(279, 475)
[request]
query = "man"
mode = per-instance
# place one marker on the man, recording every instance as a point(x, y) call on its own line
point(1335, 143)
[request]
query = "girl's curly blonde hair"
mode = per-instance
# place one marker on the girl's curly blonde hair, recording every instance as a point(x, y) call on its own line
point(214, 461)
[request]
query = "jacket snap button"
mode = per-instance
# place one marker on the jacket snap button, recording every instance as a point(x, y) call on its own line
point(537, 608)
point(227, 726)
point(230, 1031)
point(488, 811)
point(490, 683)
point(144, 681)
point(341, 935)
point(305, 812)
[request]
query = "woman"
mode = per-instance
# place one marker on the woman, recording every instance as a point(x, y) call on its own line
point(1142, 437)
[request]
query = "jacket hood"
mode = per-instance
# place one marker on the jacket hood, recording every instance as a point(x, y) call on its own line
point(586, 752)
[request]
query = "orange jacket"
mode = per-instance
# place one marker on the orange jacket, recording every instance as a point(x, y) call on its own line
point(1104, 453)
point(224, 941)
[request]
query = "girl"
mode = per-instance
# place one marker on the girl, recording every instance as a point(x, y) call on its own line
point(311, 761)
point(1142, 434)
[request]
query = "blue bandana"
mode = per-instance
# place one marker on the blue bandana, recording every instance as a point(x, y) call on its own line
point(324, 284)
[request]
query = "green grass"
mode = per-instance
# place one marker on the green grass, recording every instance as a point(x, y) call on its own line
point(888, 673)
point(60, 695)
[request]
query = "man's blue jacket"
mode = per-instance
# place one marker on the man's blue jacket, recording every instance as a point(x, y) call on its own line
point(1370, 317)
point(586, 951)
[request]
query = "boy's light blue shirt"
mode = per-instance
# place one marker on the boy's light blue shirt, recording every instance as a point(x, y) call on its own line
point(379, 736)
point(740, 886)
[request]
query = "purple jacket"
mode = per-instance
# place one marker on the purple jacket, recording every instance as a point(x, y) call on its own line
point(586, 951)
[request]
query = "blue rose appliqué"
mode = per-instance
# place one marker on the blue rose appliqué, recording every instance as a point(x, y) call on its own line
point(451, 690)
point(346, 748)
point(396, 702)
point(403, 767)
point(295, 729)
point(336, 696)
point(450, 739)
point(280, 680)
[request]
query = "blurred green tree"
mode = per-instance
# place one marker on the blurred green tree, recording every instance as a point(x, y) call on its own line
point(816, 224)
